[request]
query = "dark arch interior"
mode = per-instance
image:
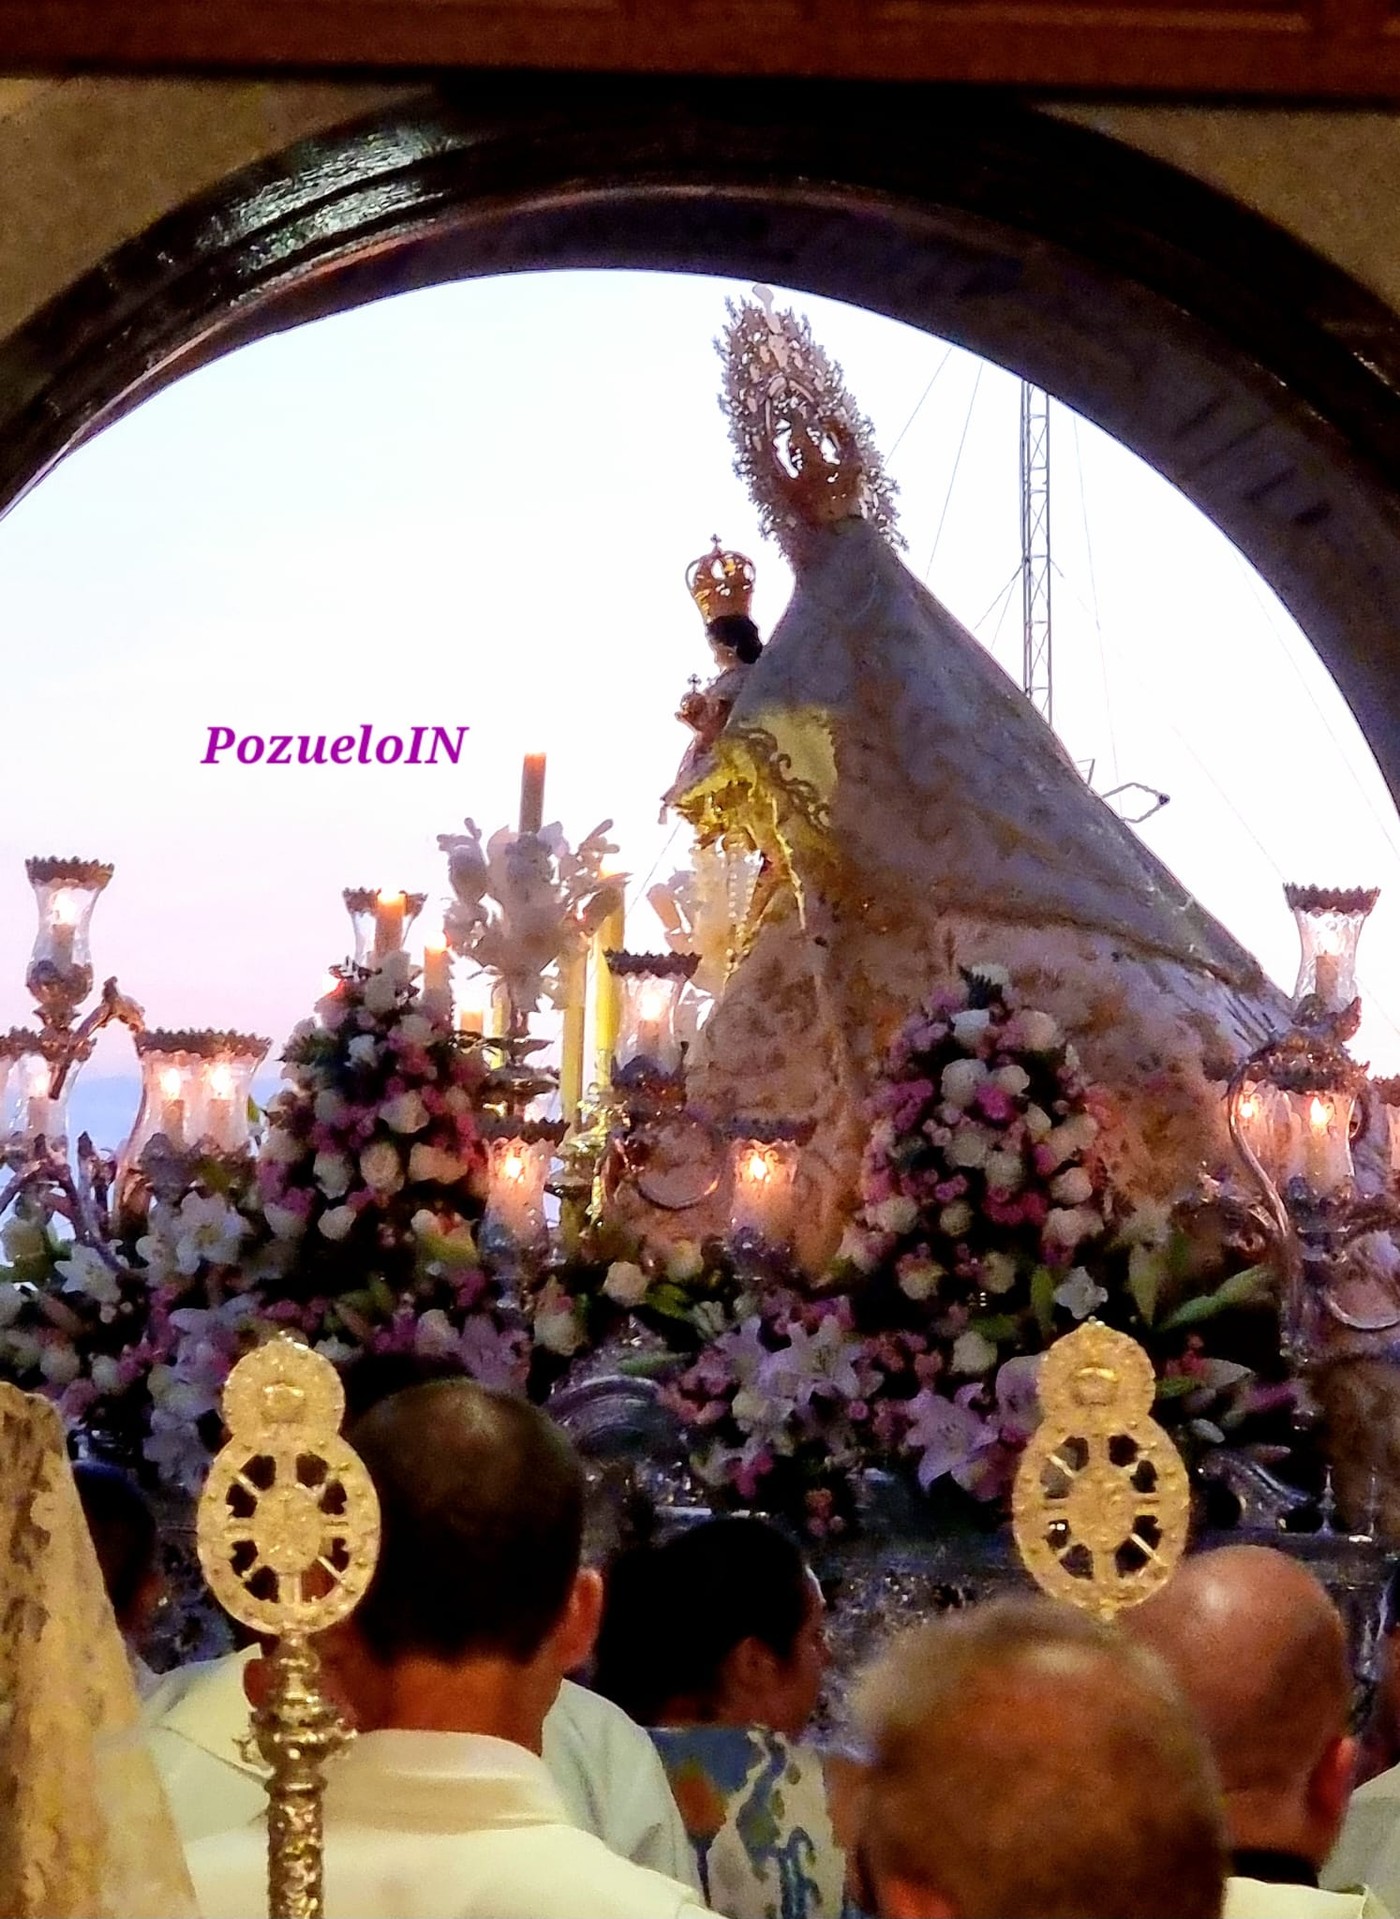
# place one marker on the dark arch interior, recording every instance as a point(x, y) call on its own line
point(1261, 381)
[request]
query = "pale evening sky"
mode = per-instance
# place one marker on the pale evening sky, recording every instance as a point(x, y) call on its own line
point(473, 505)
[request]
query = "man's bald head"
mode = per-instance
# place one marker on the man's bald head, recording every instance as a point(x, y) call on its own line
point(1022, 1759)
point(1260, 1651)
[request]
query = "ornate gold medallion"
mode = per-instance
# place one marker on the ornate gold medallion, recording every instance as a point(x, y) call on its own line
point(1101, 1503)
point(288, 1520)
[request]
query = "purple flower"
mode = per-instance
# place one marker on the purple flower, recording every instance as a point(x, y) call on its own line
point(948, 1436)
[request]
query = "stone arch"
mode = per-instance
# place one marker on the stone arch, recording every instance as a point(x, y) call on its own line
point(1258, 378)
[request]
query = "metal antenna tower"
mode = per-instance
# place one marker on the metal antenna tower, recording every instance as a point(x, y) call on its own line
point(1037, 669)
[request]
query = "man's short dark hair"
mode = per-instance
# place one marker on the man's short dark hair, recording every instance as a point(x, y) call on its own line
point(481, 1508)
point(123, 1529)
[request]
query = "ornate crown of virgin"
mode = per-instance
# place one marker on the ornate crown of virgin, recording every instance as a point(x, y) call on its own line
point(803, 448)
point(721, 582)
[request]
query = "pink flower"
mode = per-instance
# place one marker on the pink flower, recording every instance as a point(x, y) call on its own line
point(993, 1103)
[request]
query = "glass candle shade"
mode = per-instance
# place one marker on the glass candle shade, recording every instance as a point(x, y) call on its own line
point(1329, 921)
point(1388, 1092)
point(650, 986)
point(379, 920)
point(763, 1173)
point(29, 1113)
point(59, 974)
point(518, 1162)
point(194, 1091)
point(1262, 1113)
point(1317, 1150)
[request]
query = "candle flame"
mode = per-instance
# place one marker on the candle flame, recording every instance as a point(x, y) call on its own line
point(394, 898)
point(758, 1168)
point(1249, 1106)
point(221, 1080)
point(1320, 1113)
point(513, 1167)
point(65, 910)
point(171, 1082)
point(435, 943)
point(653, 998)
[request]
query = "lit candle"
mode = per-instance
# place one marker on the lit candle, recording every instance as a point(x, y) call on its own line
point(437, 981)
point(62, 925)
point(172, 1112)
point(532, 793)
point(39, 1118)
point(220, 1123)
point(607, 1003)
point(575, 993)
point(388, 924)
point(763, 1180)
point(515, 1197)
point(653, 1000)
point(1325, 980)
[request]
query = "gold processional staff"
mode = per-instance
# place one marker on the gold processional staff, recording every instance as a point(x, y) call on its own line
point(288, 1538)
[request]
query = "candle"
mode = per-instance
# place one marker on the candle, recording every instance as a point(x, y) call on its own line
point(763, 1181)
point(515, 1197)
point(172, 1111)
point(388, 924)
point(62, 926)
point(437, 981)
point(532, 793)
point(1326, 978)
point(607, 1002)
point(575, 982)
point(39, 1118)
point(221, 1125)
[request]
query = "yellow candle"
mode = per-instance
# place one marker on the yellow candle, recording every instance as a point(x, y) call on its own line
point(437, 981)
point(532, 793)
point(388, 924)
point(575, 972)
point(607, 996)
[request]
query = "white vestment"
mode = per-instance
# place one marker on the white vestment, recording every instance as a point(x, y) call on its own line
point(1263, 1899)
point(443, 1825)
point(605, 1766)
point(1368, 1849)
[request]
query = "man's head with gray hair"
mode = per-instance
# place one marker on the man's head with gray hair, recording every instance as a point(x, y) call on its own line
point(1024, 1762)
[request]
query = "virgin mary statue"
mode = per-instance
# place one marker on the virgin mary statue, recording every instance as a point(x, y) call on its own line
point(915, 815)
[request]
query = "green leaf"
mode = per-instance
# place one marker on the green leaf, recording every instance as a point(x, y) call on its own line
point(1254, 1284)
point(1177, 1386)
point(1043, 1299)
point(1146, 1271)
point(996, 1326)
point(668, 1299)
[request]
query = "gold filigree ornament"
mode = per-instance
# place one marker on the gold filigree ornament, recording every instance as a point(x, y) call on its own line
point(1101, 1503)
point(288, 1538)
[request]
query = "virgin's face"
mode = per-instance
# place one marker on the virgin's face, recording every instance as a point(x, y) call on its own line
point(723, 655)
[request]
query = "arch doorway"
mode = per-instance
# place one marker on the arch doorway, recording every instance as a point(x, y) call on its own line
point(1258, 379)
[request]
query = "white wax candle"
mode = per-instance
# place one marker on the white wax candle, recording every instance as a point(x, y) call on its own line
point(388, 924)
point(221, 1121)
point(1325, 979)
point(39, 1118)
point(532, 793)
point(437, 981)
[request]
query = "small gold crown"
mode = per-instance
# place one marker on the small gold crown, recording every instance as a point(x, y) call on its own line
point(721, 582)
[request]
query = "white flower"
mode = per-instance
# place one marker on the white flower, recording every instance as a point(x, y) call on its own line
point(859, 1248)
point(743, 1351)
point(959, 1081)
point(22, 1239)
point(969, 1026)
point(949, 1437)
point(969, 1145)
point(894, 1215)
point(973, 1353)
point(282, 1221)
point(1079, 1295)
point(281, 1147)
point(331, 1009)
point(1038, 1122)
point(85, 1271)
point(998, 1274)
point(207, 1228)
point(336, 1222)
point(11, 1302)
point(337, 1351)
point(1149, 1224)
point(176, 1450)
point(685, 1261)
point(300, 1033)
point(1011, 1079)
point(363, 1049)
point(381, 1168)
point(434, 1333)
point(882, 1135)
point(329, 1106)
point(434, 1166)
point(1067, 1225)
point(105, 1373)
point(1037, 1032)
point(1073, 1187)
point(22, 1349)
point(820, 1362)
point(626, 1284)
point(406, 1114)
point(381, 993)
point(918, 1279)
point(60, 1365)
point(416, 1030)
point(954, 1220)
point(333, 1174)
point(1005, 1171)
point(556, 1326)
point(993, 974)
